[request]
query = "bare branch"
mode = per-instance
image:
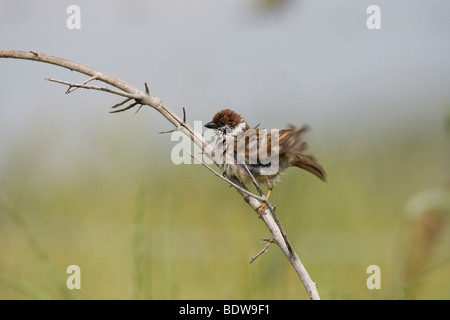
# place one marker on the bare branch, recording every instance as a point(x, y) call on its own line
point(269, 242)
point(168, 131)
point(264, 199)
point(76, 85)
point(121, 103)
point(144, 98)
point(253, 180)
point(126, 108)
point(71, 89)
point(139, 108)
point(271, 209)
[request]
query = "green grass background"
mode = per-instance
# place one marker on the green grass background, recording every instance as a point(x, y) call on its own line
point(140, 227)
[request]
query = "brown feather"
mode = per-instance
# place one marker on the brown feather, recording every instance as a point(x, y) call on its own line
point(227, 116)
point(248, 142)
point(292, 145)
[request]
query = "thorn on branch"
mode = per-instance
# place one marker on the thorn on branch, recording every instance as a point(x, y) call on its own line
point(168, 131)
point(73, 88)
point(146, 88)
point(258, 188)
point(104, 89)
point(236, 184)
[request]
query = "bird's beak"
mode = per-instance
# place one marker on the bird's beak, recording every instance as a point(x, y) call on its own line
point(211, 125)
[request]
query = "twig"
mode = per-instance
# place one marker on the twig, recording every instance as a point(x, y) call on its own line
point(258, 188)
point(271, 209)
point(121, 103)
point(9, 207)
point(269, 242)
point(126, 108)
point(144, 98)
point(71, 84)
point(227, 180)
point(176, 129)
point(72, 89)
point(139, 108)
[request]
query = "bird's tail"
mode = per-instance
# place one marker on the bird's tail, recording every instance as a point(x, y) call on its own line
point(294, 144)
point(310, 164)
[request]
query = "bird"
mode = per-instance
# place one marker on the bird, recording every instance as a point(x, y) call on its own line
point(265, 154)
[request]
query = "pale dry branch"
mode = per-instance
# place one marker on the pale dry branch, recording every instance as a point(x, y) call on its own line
point(242, 189)
point(271, 209)
point(258, 188)
point(145, 98)
point(72, 89)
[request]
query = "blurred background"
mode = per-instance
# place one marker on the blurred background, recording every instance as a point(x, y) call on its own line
point(81, 186)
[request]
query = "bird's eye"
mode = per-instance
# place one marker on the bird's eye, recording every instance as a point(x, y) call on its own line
point(221, 123)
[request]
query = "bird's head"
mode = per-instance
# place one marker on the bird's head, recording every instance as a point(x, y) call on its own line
point(228, 122)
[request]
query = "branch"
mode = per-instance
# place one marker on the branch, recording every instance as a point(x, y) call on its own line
point(84, 86)
point(258, 188)
point(310, 286)
point(145, 98)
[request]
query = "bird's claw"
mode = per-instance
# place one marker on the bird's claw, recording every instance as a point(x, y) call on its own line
point(261, 209)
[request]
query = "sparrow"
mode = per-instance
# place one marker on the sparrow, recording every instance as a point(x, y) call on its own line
point(265, 154)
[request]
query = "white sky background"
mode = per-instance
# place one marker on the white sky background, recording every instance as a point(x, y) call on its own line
point(309, 62)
